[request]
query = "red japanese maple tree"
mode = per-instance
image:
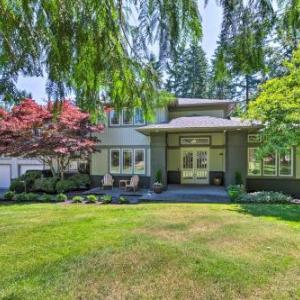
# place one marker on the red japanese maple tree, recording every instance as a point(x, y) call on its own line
point(55, 133)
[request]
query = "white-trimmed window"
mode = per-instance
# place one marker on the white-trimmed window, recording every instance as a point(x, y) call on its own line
point(126, 117)
point(127, 166)
point(139, 117)
point(254, 138)
point(139, 161)
point(286, 163)
point(254, 163)
point(205, 140)
point(270, 165)
point(115, 161)
point(114, 118)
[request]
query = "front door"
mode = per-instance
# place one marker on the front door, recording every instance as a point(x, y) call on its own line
point(194, 165)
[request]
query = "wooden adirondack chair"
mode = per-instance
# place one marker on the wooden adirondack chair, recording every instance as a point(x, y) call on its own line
point(133, 183)
point(107, 181)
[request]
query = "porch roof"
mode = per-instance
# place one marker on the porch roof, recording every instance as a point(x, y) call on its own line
point(199, 123)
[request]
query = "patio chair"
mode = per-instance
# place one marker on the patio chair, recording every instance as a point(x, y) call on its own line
point(107, 181)
point(133, 183)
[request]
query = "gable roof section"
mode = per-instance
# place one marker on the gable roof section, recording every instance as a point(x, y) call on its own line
point(200, 123)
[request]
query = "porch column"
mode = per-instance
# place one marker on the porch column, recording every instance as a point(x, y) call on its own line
point(236, 156)
point(158, 156)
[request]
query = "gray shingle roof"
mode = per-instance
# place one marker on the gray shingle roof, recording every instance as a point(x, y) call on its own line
point(201, 102)
point(199, 122)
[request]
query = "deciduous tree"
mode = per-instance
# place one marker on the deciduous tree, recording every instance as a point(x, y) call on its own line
point(55, 133)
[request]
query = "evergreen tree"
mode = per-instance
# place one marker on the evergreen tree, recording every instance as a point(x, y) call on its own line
point(188, 73)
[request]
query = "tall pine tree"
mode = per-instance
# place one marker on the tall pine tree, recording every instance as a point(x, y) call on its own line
point(188, 73)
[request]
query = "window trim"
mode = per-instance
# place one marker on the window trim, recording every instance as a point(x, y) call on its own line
point(292, 164)
point(120, 119)
point(248, 156)
point(110, 160)
point(276, 167)
point(134, 122)
point(132, 158)
point(144, 153)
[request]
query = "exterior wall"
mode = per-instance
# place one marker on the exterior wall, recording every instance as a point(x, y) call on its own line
point(218, 113)
point(161, 115)
point(236, 155)
point(297, 160)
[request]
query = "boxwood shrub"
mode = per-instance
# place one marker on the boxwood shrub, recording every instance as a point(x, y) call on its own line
point(65, 185)
point(9, 195)
point(17, 186)
point(46, 185)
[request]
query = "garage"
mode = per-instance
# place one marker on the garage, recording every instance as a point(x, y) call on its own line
point(24, 168)
point(5, 176)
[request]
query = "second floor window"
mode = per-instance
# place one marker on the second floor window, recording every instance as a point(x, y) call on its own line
point(127, 117)
point(114, 118)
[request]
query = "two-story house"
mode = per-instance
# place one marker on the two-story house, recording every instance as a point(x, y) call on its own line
point(192, 141)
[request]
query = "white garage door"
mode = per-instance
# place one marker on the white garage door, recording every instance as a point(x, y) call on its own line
point(24, 168)
point(5, 176)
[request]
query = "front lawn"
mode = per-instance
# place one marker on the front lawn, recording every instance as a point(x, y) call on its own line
point(166, 251)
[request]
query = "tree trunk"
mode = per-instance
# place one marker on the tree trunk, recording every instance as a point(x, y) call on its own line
point(247, 90)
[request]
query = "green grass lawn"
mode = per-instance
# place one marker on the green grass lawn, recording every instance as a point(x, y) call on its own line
point(158, 251)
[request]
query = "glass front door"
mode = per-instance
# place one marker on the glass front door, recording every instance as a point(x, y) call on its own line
point(194, 165)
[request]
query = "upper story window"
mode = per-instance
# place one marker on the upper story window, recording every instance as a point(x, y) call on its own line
point(114, 118)
point(127, 118)
point(139, 117)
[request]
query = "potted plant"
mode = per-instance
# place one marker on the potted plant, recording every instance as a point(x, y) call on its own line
point(157, 185)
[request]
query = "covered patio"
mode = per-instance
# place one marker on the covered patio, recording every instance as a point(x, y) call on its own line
point(173, 193)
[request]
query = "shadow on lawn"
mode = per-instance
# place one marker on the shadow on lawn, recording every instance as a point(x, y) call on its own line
point(279, 211)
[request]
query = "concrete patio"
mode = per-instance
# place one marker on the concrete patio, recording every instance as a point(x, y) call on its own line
point(174, 193)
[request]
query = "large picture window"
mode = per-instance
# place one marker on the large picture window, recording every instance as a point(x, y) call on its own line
point(139, 161)
point(114, 118)
point(276, 164)
point(115, 161)
point(269, 165)
point(254, 164)
point(127, 161)
point(286, 163)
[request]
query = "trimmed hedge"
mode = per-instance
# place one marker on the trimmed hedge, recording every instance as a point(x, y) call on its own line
point(46, 185)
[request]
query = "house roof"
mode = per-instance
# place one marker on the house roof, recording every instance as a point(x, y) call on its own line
point(179, 102)
point(199, 123)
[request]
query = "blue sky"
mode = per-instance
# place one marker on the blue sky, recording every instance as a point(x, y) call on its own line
point(211, 22)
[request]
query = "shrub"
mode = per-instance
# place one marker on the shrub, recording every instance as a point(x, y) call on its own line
point(29, 177)
point(238, 178)
point(92, 198)
point(234, 192)
point(81, 180)
point(264, 197)
point(21, 197)
point(123, 200)
point(32, 197)
point(46, 185)
point(77, 199)
point(17, 186)
point(61, 197)
point(9, 195)
point(65, 185)
point(158, 176)
point(46, 198)
point(106, 199)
